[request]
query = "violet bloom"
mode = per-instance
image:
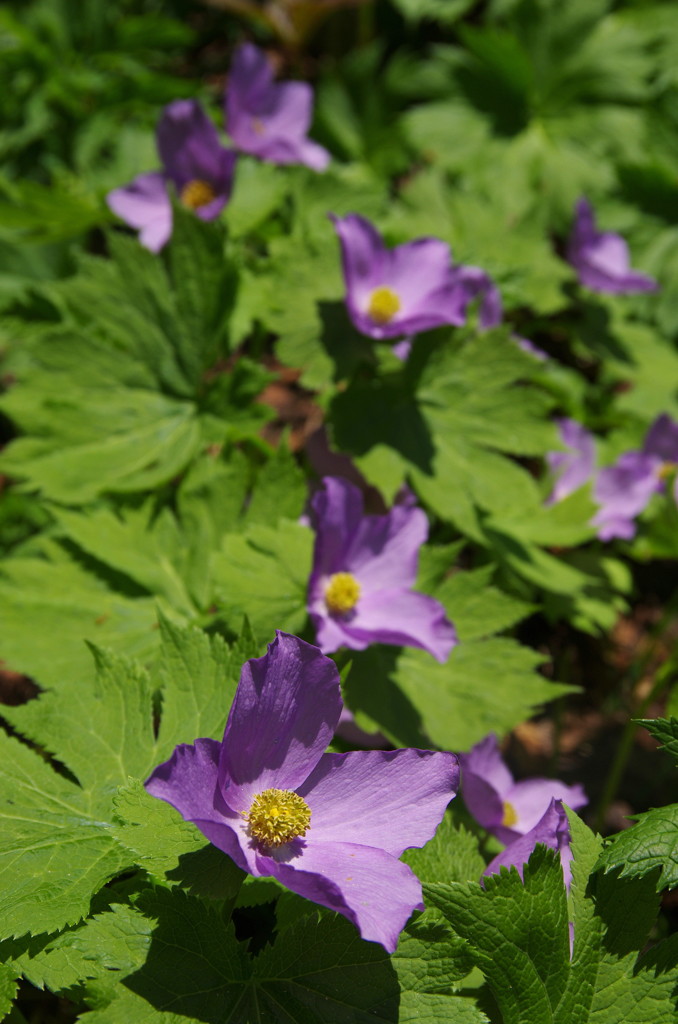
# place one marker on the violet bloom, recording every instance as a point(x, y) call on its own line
point(364, 567)
point(573, 468)
point(552, 829)
point(330, 827)
point(506, 808)
point(601, 258)
point(405, 290)
point(623, 490)
point(195, 165)
point(270, 119)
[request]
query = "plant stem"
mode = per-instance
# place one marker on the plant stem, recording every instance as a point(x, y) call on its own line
point(664, 675)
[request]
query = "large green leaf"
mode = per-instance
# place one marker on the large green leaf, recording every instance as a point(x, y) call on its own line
point(317, 972)
point(518, 934)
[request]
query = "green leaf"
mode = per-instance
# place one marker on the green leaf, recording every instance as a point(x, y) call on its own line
point(8, 987)
point(451, 856)
point(169, 848)
point(648, 846)
point(477, 608)
point(59, 843)
point(666, 731)
point(199, 676)
point(146, 546)
point(518, 934)
point(124, 393)
point(55, 850)
point(433, 1008)
point(318, 972)
point(68, 723)
point(56, 596)
point(485, 685)
point(264, 573)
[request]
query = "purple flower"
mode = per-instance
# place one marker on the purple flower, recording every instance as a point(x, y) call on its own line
point(330, 827)
point(506, 808)
point(573, 468)
point(363, 570)
point(552, 829)
point(391, 292)
point(623, 490)
point(195, 163)
point(474, 283)
point(268, 119)
point(601, 258)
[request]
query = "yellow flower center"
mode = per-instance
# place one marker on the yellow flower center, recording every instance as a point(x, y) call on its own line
point(342, 593)
point(666, 470)
point(258, 126)
point(197, 193)
point(383, 305)
point(278, 816)
point(510, 817)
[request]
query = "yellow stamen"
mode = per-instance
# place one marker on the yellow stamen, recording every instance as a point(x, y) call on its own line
point(258, 126)
point(383, 305)
point(667, 470)
point(510, 817)
point(197, 193)
point(342, 593)
point(277, 816)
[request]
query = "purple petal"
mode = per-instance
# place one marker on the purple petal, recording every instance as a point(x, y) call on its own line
point(376, 892)
point(363, 257)
point(390, 800)
point(190, 150)
point(420, 273)
point(475, 283)
point(417, 269)
point(401, 617)
point(601, 259)
point(531, 798)
point(402, 349)
point(528, 346)
point(251, 74)
point(575, 467)
point(337, 511)
point(622, 491)
point(268, 119)
point(552, 830)
point(144, 204)
point(384, 552)
point(485, 781)
point(662, 439)
point(284, 714)
point(189, 782)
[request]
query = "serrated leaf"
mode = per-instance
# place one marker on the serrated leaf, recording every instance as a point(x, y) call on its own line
point(199, 676)
point(146, 546)
point(432, 1008)
point(316, 973)
point(68, 723)
point(264, 574)
point(476, 608)
point(649, 845)
point(55, 851)
point(54, 595)
point(666, 731)
point(169, 848)
point(485, 685)
point(451, 856)
point(518, 933)
point(8, 987)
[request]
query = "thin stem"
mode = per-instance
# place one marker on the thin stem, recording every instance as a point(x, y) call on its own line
point(664, 675)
